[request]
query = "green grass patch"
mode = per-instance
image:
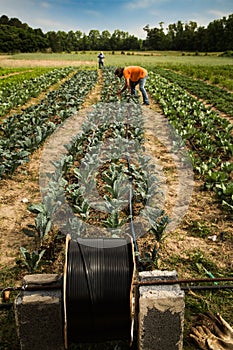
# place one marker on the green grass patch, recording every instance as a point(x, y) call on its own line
point(6, 71)
point(20, 76)
point(116, 58)
point(200, 229)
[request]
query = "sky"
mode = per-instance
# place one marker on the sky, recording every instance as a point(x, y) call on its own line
point(126, 15)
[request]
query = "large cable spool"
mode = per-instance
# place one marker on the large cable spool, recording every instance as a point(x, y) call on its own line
point(98, 288)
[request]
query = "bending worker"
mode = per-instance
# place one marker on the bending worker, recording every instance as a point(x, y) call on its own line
point(134, 75)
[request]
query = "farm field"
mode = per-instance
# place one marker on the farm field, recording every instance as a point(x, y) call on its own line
point(40, 92)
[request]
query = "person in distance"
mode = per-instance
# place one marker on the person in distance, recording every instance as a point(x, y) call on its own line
point(101, 59)
point(133, 75)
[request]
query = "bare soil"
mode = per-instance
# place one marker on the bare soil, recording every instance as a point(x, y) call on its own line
point(203, 209)
point(23, 188)
point(15, 194)
point(5, 61)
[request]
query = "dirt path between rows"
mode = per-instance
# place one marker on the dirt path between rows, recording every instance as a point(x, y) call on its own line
point(17, 192)
point(16, 73)
point(23, 188)
point(202, 209)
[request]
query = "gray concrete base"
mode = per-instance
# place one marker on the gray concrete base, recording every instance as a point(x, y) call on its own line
point(39, 314)
point(159, 316)
point(161, 313)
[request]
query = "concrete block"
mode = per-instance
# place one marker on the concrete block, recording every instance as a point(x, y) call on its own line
point(160, 313)
point(39, 314)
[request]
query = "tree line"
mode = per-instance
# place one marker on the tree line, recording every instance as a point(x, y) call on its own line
point(16, 36)
point(218, 36)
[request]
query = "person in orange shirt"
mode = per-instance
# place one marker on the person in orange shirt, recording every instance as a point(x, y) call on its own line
point(133, 75)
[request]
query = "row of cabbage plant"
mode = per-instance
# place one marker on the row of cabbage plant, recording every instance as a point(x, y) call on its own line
point(22, 133)
point(109, 182)
point(212, 94)
point(208, 135)
point(17, 89)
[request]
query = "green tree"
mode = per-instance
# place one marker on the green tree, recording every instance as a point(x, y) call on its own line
point(215, 32)
point(132, 43)
point(218, 36)
point(71, 44)
point(189, 36)
point(15, 22)
point(94, 39)
point(201, 40)
point(156, 39)
point(53, 41)
point(117, 39)
point(78, 38)
point(61, 38)
point(228, 33)
point(105, 40)
point(85, 44)
point(4, 19)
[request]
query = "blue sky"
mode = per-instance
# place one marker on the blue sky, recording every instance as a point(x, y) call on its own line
point(127, 15)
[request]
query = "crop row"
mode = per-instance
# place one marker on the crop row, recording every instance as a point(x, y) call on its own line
point(213, 95)
point(105, 176)
point(221, 75)
point(102, 184)
point(6, 71)
point(17, 89)
point(208, 136)
point(111, 84)
point(22, 133)
point(107, 180)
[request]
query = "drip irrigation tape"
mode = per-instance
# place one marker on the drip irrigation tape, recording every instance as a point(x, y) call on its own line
point(131, 210)
point(98, 290)
point(209, 287)
point(6, 306)
point(180, 281)
point(131, 191)
point(55, 286)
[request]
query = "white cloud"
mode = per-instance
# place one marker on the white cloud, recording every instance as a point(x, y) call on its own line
point(207, 17)
point(47, 23)
point(218, 14)
point(143, 4)
point(93, 13)
point(11, 8)
point(45, 5)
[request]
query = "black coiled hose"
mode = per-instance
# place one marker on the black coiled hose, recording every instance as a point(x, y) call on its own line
point(98, 290)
